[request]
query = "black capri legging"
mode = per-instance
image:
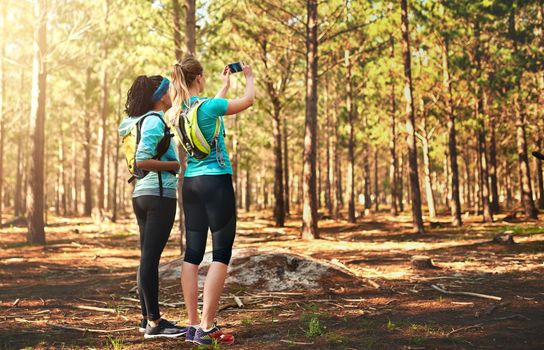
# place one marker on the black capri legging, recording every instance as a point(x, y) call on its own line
point(155, 217)
point(209, 202)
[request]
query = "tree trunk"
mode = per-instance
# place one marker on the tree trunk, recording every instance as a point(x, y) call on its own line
point(335, 166)
point(540, 181)
point(525, 172)
point(309, 215)
point(87, 184)
point(35, 200)
point(412, 150)
point(468, 182)
point(62, 173)
point(190, 27)
point(425, 140)
point(366, 174)
point(477, 185)
point(376, 189)
point(482, 149)
point(19, 175)
point(102, 133)
point(540, 107)
point(287, 194)
point(248, 191)
point(177, 30)
point(2, 99)
point(523, 161)
point(328, 170)
point(279, 210)
point(400, 183)
point(116, 161)
point(351, 140)
point(393, 167)
point(495, 208)
point(455, 203)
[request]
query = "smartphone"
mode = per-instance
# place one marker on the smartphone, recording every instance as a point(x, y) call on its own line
point(235, 67)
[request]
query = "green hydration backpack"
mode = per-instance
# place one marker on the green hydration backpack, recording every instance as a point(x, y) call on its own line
point(130, 146)
point(191, 137)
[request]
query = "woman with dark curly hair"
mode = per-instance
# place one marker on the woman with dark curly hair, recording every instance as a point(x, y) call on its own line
point(154, 196)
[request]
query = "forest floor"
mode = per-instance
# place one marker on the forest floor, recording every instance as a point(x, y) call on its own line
point(89, 265)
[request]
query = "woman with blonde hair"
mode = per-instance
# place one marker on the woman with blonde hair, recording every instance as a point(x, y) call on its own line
point(208, 196)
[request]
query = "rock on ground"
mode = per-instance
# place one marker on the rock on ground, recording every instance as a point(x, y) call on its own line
point(270, 270)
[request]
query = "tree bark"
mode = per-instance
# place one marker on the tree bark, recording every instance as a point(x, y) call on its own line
point(425, 140)
point(482, 147)
point(177, 30)
point(540, 107)
point(116, 161)
point(287, 189)
point(18, 184)
point(2, 99)
point(376, 189)
point(351, 141)
point(190, 27)
point(335, 167)
point(455, 203)
point(279, 210)
point(540, 180)
point(248, 192)
point(328, 158)
point(393, 167)
point(411, 141)
point(35, 200)
point(87, 184)
point(366, 174)
point(495, 207)
point(62, 173)
point(400, 183)
point(309, 214)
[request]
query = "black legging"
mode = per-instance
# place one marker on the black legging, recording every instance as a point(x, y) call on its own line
point(209, 202)
point(155, 217)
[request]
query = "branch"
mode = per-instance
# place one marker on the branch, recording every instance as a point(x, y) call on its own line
point(350, 29)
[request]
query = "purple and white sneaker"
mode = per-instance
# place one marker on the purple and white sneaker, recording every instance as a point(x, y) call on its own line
point(190, 335)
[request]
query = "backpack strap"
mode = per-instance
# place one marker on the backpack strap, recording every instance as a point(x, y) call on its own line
point(162, 147)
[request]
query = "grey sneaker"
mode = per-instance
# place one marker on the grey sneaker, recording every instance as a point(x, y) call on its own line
point(164, 329)
point(143, 325)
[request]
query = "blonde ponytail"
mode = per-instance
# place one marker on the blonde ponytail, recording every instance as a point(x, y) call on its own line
point(183, 75)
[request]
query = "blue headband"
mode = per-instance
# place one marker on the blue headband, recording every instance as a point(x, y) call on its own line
point(161, 90)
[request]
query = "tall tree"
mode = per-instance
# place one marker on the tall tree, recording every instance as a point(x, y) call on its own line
point(102, 134)
point(452, 142)
point(417, 218)
point(35, 200)
point(393, 167)
point(309, 212)
point(482, 147)
point(351, 114)
point(87, 183)
point(3, 39)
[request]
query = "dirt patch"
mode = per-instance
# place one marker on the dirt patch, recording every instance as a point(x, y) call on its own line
point(85, 264)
